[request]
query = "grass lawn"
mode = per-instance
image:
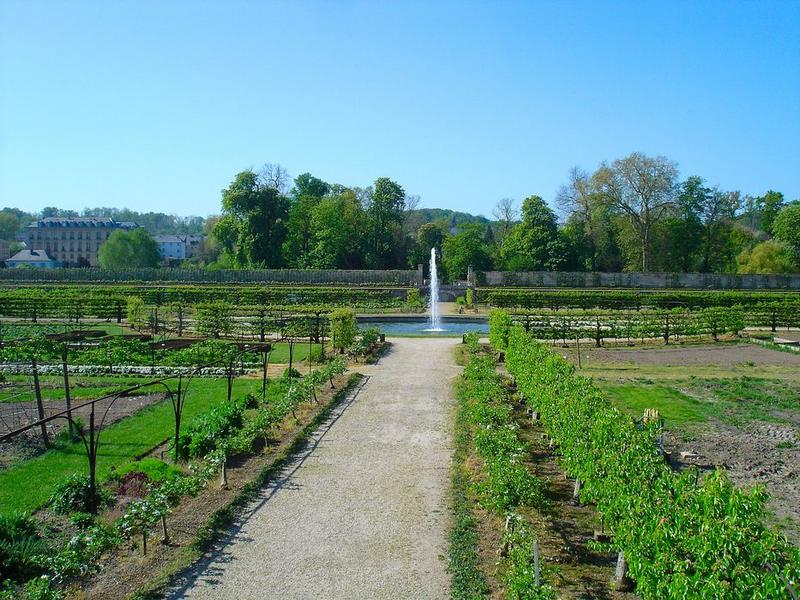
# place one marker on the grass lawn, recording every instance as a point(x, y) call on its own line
point(675, 407)
point(28, 485)
point(280, 352)
point(52, 386)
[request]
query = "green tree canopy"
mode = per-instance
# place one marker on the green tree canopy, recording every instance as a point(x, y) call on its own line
point(767, 257)
point(463, 249)
point(786, 228)
point(534, 244)
point(128, 250)
point(253, 223)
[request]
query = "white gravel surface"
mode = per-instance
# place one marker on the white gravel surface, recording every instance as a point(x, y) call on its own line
point(362, 512)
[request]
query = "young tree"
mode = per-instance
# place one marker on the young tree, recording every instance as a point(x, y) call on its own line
point(214, 319)
point(505, 213)
point(643, 189)
point(253, 225)
point(768, 207)
point(343, 328)
point(128, 250)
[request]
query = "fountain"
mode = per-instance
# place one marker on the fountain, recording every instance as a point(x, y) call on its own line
point(435, 321)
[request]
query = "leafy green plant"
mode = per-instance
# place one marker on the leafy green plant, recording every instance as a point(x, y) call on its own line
point(73, 495)
point(21, 547)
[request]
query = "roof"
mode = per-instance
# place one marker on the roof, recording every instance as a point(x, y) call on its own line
point(31, 256)
point(83, 222)
point(166, 239)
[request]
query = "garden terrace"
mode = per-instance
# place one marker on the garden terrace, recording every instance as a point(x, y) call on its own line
point(530, 298)
point(682, 535)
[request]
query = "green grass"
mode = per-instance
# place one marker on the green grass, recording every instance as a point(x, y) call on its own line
point(675, 407)
point(280, 352)
point(82, 387)
point(28, 485)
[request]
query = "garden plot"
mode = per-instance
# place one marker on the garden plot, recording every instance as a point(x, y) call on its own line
point(731, 406)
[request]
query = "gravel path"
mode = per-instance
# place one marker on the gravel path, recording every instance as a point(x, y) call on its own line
point(363, 511)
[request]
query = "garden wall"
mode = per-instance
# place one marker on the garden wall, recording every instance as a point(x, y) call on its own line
point(272, 276)
point(637, 280)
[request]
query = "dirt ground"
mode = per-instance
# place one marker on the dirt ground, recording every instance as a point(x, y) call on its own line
point(752, 451)
point(723, 355)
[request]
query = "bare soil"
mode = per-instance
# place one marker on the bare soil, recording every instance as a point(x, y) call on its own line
point(680, 356)
point(760, 453)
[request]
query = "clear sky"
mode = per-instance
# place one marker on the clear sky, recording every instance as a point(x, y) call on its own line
point(155, 105)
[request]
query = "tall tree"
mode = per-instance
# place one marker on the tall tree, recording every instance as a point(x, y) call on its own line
point(506, 214)
point(643, 189)
point(768, 206)
point(307, 193)
point(337, 223)
point(253, 223)
point(384, 207)
point(786, 228)
point(128, 250)
point(463, 249)
point(534, 244)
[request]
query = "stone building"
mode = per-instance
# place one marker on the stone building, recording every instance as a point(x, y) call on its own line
point(73, 242)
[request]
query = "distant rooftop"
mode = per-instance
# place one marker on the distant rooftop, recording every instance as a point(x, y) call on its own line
point(83, 222)
point(31, 256)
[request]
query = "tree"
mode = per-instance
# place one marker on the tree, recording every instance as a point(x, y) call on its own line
point(505, 213)
point(463, 249)
point(9, 225)
point(337, 224)
point(767, 257)
point(768, 207)
point(534, 244)
point(343, 328)
point(429, 235)
point(384, 208)
point(253, 225)
point(643, 189)
point(307, 193)
point(786, 228)
point(214, 319)
point(128, 250)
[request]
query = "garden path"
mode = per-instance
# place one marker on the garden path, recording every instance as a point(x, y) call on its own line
point(362, 511)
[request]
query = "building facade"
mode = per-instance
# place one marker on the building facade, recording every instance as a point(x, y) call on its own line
point(73, 242)
point(177, 247)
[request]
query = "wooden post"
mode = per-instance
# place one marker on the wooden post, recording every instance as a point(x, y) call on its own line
point(578, 348)
point(621, 579)
point(576, 492)
point(67, 398)
point(39, 406)
point(536, 574)
point(223, 479)
point(165, 540)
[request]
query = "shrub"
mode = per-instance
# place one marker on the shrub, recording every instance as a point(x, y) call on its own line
point(73, 495)
point(414, 299)
point(343, 328)
point(291, 373)
point(209, 429)
point(156, 470)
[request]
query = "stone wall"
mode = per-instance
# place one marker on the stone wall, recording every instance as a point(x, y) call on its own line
point(267, 276)
point(637, 280)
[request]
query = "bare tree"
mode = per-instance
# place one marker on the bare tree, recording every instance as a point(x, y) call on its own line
point(275, 176)
point(506, 213)
point(642, 188)
point(578, 197)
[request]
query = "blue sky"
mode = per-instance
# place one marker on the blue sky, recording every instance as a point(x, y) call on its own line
point(156, 105)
